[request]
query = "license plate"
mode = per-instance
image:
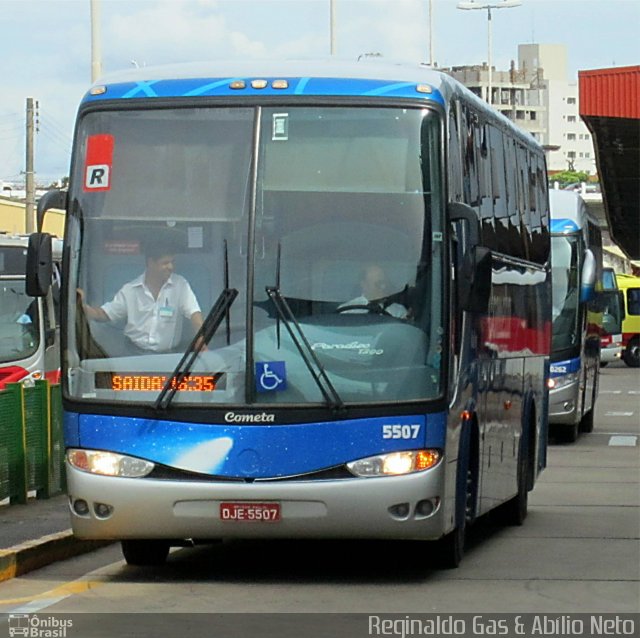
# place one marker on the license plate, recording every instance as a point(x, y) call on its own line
point(250, 512)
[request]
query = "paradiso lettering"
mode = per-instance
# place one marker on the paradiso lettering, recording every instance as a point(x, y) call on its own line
point(362, 348)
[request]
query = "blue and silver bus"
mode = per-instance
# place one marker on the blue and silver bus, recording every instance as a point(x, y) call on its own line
point(302, 408)
point(576, 257)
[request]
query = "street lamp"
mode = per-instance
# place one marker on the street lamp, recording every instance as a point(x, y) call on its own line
point(502, 4)
point(332, 28)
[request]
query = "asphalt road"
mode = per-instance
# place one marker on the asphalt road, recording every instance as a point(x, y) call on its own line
point(578, 552)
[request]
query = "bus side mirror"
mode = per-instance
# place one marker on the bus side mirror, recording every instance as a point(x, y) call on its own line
point(39, 264)
point(474, 274)
point(51, 199)
point(623, 314)
point(588, 281)
point(459, 212)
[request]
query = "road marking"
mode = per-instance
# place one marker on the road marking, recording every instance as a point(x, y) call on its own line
point(615, 433)
point(38, 605)
point(48, 598)
point(629, 441)
point(634, 392)
point(618, 413)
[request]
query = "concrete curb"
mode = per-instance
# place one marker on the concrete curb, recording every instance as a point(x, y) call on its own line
point(25, 557)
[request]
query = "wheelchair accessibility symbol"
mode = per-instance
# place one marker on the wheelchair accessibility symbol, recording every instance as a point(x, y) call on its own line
point(271, 376)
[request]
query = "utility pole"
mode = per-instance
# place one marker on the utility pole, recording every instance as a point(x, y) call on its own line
point(30, 200)
point(431, 63)
point(96, 46)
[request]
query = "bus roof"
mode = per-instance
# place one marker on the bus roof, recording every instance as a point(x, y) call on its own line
point(627, 281)
point(324, 77)
point(569, 212)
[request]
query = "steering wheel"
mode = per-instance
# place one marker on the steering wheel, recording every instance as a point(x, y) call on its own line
point(371, 308)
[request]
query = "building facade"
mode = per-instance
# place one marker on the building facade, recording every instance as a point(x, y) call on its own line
point(538, 96)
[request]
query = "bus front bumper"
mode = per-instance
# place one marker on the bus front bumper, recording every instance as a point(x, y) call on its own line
point(563, 406)
point(394, 507)
point(609, 354)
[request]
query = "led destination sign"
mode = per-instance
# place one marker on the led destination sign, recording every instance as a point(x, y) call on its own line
point(154, 382)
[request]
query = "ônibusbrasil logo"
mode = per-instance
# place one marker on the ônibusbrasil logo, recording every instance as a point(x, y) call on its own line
point(34, 626)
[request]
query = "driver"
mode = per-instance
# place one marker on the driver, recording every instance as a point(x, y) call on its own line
point(374, 285)
point(153, 305)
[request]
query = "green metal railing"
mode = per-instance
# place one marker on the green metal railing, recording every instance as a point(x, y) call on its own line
point(31, 446)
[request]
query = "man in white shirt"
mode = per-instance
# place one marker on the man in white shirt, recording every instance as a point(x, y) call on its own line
point(375, 287)
point(153, 305)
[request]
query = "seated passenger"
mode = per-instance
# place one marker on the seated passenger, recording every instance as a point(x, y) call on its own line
point(153, 305)
point(374, 296)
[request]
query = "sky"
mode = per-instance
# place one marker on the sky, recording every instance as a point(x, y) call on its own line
point(45, 46)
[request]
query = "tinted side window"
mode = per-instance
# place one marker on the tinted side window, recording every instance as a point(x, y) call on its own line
point(633, 301)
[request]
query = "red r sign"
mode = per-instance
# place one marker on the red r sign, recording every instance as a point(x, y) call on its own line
point(97, 173)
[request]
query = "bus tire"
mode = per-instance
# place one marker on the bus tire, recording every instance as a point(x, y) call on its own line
point(631, 354)
point(145, 553)
point(450, 548)
point(515, 510)
point(586, 424)
point(567, 432)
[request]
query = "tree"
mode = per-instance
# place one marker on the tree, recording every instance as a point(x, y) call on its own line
point(569, 177)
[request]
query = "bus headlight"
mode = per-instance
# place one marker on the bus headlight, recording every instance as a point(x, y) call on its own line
point(555, 383)
point(395, 463)
point(108, 463)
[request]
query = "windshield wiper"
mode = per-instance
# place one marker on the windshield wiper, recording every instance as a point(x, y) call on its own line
point(218, 312)
point(307, 353)
point(203, 336)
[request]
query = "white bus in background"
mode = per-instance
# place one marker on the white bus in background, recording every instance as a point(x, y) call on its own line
point(29, 327)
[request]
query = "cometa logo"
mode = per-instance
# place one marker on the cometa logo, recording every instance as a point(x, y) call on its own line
point(263, 417)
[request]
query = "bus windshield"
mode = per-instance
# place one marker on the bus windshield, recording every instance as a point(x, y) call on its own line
point(566, 291)
point(327, 221)
point(19, 336)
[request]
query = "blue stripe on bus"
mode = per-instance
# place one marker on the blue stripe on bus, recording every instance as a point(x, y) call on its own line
point(564, 226)
point(297, 86)
point(256, 451)
point(560, 368)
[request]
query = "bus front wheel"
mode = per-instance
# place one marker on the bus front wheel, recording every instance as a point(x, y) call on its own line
point(586, 423)
point(567, 432)
point(450, 548)
point(145, 553)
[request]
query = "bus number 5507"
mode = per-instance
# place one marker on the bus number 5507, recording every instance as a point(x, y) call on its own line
point(397, 431)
